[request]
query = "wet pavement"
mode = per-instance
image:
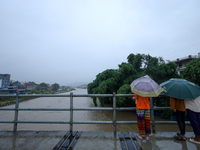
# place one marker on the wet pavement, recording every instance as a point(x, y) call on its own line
point(46, 140)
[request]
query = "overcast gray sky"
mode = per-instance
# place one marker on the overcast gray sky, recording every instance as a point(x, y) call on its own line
point(62, 41)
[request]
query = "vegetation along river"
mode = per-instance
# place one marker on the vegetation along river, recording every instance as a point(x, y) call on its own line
point(79, 102)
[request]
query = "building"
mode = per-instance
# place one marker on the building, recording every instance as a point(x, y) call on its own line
point(4, 81)
point(16, 83)
point(29, 86)
point(181, 62)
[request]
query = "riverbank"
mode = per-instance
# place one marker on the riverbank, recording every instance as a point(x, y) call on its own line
point(10, 101)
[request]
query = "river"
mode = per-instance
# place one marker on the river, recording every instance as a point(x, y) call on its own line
point(83, 102)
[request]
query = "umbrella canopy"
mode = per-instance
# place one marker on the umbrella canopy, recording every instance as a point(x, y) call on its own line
point(180, 89)
point(145, 87)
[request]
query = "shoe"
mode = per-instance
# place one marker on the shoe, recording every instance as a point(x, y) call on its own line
point(148, 138)
point(138, 135)
point(178, 133)
point(193, 141)
point(179, 137)
point(192, 137)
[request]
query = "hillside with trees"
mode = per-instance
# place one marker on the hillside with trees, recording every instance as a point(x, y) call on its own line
point(119, 80)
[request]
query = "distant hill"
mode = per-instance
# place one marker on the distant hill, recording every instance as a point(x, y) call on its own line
point(75, 84)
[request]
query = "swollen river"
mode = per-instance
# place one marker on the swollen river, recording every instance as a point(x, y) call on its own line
point(78, 102)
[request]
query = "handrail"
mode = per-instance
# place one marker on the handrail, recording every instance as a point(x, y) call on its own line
point(71, 109)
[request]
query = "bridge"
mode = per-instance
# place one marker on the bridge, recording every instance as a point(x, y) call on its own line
point(86, 140)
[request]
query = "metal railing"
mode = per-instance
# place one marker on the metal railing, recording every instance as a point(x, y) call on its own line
point(71, 109)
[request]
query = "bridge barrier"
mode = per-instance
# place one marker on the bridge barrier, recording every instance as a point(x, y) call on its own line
point(72, 109)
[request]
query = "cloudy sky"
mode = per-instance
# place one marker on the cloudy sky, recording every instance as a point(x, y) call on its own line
point(64, 41)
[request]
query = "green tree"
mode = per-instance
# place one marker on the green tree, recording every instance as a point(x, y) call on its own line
point(150, 65)
point(43, 85)
point(119, 80)
point(127, 73)
point(192, 71)
point(105, 82)
point(136, 61)
point(55, 86)
point(106, 77)
point(33, 83)
point(125, 101)
point(131, 70)
point(165, 72)
point(158, 70)
point(91, 86)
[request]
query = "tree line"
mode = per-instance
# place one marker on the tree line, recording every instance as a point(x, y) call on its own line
point(54, 86)
point(119, 80)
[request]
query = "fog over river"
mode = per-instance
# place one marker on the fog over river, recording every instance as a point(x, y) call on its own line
point(79, 102)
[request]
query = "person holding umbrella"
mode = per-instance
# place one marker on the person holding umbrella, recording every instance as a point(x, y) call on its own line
point(177, 106)
point(183, 90)
point(193, 111)
point(144, 88)
point(143, 116)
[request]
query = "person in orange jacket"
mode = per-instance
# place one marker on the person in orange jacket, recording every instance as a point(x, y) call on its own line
point(177, 106)
point(143, 116)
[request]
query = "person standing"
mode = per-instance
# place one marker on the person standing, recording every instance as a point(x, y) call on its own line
point(177, 106)
point(143, 116)
point(192, 107)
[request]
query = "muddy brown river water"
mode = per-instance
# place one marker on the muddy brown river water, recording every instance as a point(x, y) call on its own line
point(79, 102)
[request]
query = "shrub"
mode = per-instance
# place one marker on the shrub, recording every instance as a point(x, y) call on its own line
point(166, 114)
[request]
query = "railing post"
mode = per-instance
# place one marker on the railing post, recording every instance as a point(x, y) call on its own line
point(71, 112)
point(16, 112)
point(114, 112)
point(152, 115)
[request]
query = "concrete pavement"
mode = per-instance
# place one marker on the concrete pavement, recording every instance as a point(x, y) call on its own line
point(46, 140)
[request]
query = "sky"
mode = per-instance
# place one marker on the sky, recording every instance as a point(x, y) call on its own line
point(65, 42)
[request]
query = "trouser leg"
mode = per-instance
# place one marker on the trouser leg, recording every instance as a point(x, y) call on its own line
point(140, 121)
point(147, 121)
point(180, 117)
point(194, 120)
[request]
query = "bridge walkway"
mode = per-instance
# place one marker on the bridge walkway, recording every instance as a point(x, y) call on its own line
point(89, 140)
